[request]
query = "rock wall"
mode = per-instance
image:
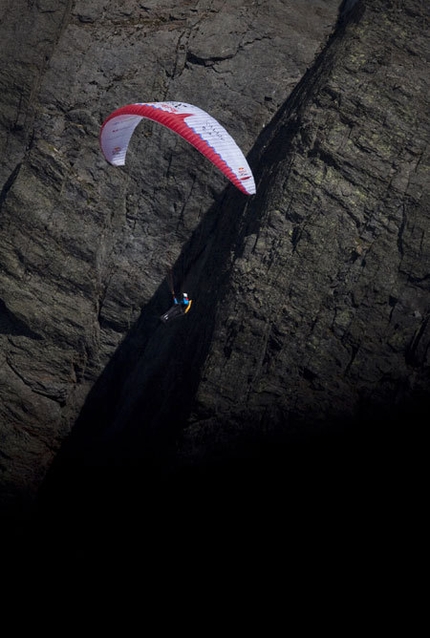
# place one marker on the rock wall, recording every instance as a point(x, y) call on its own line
point(267, 419)
point(85, 247)
point(312, 306)
point(309, 331)
point(277, 414)
point(325, 314)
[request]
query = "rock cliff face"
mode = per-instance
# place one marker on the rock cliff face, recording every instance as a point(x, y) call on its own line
point(84, 248)
point(310, 321)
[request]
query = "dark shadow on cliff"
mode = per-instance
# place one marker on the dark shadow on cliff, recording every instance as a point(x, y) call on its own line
point(142, 399)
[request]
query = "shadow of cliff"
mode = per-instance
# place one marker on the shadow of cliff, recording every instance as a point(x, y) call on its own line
point(143, 397)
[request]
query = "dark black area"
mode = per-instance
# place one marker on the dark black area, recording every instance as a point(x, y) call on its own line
point(277, 508)
point(251, 503)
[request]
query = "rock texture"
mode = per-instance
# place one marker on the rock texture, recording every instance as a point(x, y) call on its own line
point(84, 247)
point(309, 331)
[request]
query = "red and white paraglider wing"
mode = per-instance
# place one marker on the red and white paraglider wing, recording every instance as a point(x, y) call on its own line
point(193, 124)
point(115, 135)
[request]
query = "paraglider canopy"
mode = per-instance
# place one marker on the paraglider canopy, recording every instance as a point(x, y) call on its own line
point(190, 122)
